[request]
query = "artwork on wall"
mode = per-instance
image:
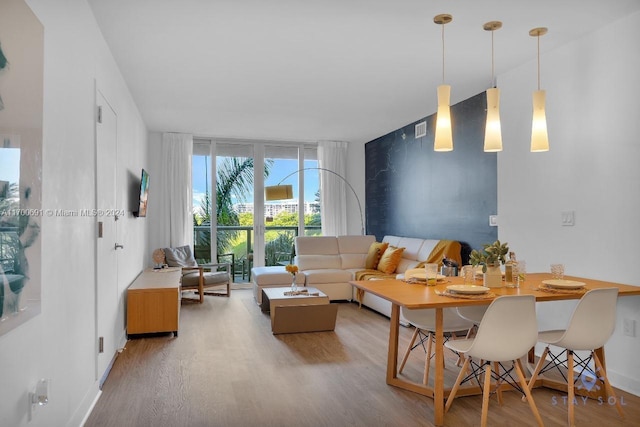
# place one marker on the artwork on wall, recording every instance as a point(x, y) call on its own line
point(21, 96)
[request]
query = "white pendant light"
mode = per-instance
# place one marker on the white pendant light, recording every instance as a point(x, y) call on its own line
point(539, 135)
point(493, 130)
point(443, 134)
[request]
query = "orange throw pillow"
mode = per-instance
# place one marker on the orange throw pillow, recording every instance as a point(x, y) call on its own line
point(375, 253)
point(390, 259)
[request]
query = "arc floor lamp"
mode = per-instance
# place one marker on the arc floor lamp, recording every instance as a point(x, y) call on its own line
point(285, 191)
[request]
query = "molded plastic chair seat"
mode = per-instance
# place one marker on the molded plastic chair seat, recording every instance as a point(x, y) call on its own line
point(590, 327)
point(507, 331)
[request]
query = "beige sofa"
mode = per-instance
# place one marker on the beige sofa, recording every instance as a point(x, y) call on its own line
point(329, 263)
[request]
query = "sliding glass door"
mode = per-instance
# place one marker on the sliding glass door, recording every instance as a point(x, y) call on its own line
point(249, 230)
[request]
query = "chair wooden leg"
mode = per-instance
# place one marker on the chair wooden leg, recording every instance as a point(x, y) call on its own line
point(570, 389)
point(406, 353)
point(485, 394)
point(496, 366)
point(527, 392)
point(538, 368)
point(456, 386)
point(607, 385)
point(427, 360)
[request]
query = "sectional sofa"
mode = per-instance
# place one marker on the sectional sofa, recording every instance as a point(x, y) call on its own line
point(329, 263)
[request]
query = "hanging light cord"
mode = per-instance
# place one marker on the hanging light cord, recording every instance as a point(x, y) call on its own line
point(538, 61)
point(493, 79)
point(442, 25)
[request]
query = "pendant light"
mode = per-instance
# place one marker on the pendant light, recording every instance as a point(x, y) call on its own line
point(539, 136)
point(493, 131)
point(443, 135)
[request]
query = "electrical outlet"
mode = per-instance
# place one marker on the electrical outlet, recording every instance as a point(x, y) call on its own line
point(568, 218)
point(629, 327)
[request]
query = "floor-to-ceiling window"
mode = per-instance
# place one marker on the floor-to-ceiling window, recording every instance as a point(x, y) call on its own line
point(246, 226)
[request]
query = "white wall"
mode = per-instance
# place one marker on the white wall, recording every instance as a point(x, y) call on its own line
point(593, 100)
point(61, 343)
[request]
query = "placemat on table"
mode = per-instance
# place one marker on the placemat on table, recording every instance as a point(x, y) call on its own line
point(448, 293)
point(545, 288)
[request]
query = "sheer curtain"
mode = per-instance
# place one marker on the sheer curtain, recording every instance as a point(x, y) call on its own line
point(332, 155)
point(174, 190)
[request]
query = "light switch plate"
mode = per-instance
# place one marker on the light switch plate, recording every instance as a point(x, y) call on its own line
point(493, 220)
point(568, 218)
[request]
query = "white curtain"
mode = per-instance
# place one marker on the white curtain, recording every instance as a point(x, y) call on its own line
point(174, 190)
point(332, 155)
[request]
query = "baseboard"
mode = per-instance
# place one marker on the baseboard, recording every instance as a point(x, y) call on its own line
point(617, 380)
point(81, 414)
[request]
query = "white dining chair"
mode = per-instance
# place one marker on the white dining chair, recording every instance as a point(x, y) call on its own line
point(424, 321)
point(585, 332)
point(472, 313)
point(507, 331)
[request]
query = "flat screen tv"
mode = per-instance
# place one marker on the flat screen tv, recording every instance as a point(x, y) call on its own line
point(144, 194)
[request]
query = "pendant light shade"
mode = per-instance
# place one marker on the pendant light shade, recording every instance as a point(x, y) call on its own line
point(443, 134)
point(539, 135)
point(493, 129)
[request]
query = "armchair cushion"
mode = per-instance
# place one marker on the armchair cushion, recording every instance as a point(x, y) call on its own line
point(191, 280)
point(180, 257)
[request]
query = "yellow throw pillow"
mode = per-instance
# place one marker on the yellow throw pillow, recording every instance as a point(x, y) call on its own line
point(375, 253)
point(390, 259)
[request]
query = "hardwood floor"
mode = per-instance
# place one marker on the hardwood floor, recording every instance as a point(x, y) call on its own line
point(227, 369)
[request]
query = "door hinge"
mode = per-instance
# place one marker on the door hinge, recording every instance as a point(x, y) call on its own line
point(99, 114)
point(101, 345)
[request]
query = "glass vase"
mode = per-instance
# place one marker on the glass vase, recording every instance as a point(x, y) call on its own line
point(294, 285)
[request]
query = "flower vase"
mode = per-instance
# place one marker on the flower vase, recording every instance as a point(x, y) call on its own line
point(493, 276)
point(294, 285)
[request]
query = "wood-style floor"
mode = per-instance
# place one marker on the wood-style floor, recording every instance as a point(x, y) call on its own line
point(227, 369)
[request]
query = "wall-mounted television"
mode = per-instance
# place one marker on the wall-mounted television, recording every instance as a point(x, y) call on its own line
point(144, 194)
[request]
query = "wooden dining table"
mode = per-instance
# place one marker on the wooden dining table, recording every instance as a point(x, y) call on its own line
point(420, 296)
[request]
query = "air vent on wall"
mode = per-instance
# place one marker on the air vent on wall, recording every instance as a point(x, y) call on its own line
point(421, 129)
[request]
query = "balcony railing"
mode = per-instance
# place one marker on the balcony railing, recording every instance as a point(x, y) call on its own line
point(278, 245)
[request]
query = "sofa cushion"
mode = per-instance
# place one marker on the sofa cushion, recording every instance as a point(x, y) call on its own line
point(411, 247)
point(427, 247)
point(317, 245)
point(355, 244)
point(390, 259)
point(314, 262)
point(274, 275)
point(327, 275)
point(353, 261)
point(374, 254)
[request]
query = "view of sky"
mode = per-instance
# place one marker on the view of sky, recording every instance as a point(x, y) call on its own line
point(279, 170)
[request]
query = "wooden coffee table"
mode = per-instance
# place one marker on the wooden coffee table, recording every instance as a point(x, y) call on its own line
point(306, 312)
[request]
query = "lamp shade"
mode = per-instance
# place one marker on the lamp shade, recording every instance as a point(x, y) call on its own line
point(539, 136)
point(492, 130)
point(444, 137)
point(278, 192)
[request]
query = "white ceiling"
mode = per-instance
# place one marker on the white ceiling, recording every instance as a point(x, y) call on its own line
point(348, 70)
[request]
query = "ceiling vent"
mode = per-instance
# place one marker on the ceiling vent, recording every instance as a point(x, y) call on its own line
point(421, 129)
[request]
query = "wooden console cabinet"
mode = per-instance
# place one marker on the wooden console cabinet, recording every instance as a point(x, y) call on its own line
point(153, 302)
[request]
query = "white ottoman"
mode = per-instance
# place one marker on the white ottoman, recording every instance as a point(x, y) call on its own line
point(272, 277)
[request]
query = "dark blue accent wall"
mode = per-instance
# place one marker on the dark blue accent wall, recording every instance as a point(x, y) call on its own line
point(414, 191)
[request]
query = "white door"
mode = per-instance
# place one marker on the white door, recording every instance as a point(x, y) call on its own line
point(106, 262)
